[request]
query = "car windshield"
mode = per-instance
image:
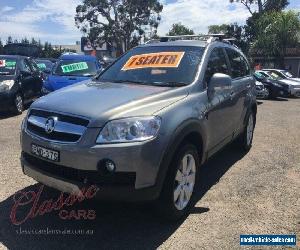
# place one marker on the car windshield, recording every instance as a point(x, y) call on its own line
point(75, 68)
point(8, 66)
point(287, 74)
point(275, 75)
point(162, 66)
point(44, 64)
point(259, 75)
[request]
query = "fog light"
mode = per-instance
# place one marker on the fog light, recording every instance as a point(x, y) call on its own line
point(106, 167)
point(110, 166)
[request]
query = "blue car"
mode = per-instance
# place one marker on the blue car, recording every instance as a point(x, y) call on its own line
point(71, 69)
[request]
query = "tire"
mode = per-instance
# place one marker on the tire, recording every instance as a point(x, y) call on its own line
point(267, 96)
point(18, 104)
point(177, 194)
point(246, 138)
point(270, 94)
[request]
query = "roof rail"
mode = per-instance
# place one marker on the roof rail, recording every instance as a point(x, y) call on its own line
point(207, 38)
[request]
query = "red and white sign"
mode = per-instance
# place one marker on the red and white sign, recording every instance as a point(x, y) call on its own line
point(2, 63)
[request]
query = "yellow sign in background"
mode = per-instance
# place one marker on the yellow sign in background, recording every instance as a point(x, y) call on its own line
point(154, 60)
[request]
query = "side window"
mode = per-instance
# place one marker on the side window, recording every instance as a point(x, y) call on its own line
point(24, 65)
point(239, 65)
point(34, 65)
point(216, 64)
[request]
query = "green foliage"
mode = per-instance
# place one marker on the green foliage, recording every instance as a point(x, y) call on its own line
point(232, 31)
point(277, 31)
point(118, 22)
point(218, 29)
point(179, 29)
point(46, 50)
point(1, 47)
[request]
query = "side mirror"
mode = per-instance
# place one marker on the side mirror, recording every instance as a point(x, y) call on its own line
point(219, 83)
point(99, 71)
point(25, 73)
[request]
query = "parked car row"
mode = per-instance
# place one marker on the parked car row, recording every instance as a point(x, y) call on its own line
point(272, 83)
point(23, 79)
point(20, 82)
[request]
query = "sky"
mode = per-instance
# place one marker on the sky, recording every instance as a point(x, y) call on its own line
point(53, 20)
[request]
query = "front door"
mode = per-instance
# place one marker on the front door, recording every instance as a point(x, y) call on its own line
point(220, 107)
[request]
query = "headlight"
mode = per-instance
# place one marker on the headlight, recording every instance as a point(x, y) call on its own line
point(130, 130)
point(6, 85)
point(276, 84)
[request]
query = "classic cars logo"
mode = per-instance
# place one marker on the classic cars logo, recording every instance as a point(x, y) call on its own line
point(30, 203)
point(50, 124)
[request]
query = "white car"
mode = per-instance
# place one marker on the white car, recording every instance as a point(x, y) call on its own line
point(283, 74)
point(294, 85)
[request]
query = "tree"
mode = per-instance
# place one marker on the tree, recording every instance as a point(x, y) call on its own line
point(179, 29)
point(263, 5)
point(117, 22)
point(25, 40)
point(1, 47)
point(232, 31)
point(217, 29)
point(277, 31)
point(9, 40)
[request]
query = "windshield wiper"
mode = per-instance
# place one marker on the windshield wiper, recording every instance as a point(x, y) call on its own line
point(130, 81)
point(169, 84)
point(4, 73)
point(159, 84)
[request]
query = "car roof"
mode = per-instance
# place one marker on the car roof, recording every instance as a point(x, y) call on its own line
point(280, 70)
point(78, 57)
point(14, 56)
point(195, 43)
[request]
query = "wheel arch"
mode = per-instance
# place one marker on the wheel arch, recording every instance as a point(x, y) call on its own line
point(190, 131)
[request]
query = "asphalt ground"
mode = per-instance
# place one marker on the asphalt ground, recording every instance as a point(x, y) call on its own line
point(254, 193)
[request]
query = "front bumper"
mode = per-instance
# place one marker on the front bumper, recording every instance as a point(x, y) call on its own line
point(261, 93)
point(137, 166)
point(6, 101)
point(295, 92)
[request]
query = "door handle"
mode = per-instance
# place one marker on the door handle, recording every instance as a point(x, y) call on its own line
point(231, 95)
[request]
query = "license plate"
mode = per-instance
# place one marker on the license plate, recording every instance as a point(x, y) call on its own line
point(45, 153)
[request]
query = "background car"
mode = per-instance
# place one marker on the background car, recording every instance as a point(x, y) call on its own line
point(20, 82)
point(293, 86)
point(105, 61)
point(71, 69)
point(274, 88)
point(261, 91)
point(45, 65)
point(284, 74)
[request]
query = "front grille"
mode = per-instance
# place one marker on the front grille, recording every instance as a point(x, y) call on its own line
point(83, 176)
point(67, 128)
point(55, 136)
point(61, 117)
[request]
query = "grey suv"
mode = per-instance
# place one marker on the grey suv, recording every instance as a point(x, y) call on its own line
point(142, 128)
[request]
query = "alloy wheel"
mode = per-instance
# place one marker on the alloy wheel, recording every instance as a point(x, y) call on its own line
point(184, 181)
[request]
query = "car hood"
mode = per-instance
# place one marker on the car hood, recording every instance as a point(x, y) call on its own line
point(100, 102)
point(56, 82)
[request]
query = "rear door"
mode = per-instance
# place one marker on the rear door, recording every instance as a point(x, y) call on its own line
point(242, 81)
point(26, 79)
point(36, 78)
point(220, 109)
